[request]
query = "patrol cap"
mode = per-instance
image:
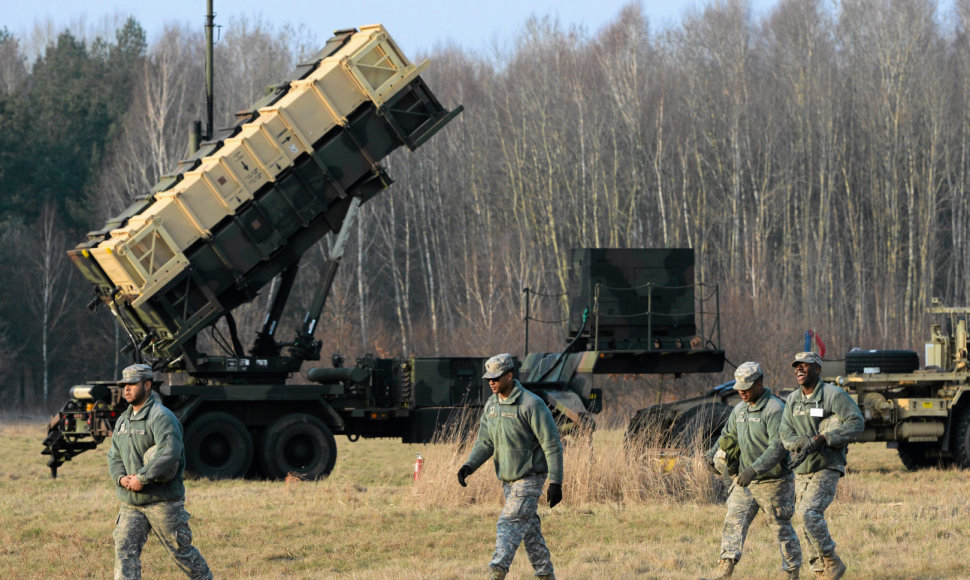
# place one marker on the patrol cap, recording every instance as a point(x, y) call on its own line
point(746, 375)
point(807, 357)
point(135, 373)
point(498, 365)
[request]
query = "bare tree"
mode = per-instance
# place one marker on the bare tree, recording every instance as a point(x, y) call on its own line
point(47, 278)
point(154, 134)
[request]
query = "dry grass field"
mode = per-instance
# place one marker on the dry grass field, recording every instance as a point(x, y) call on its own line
point(622, 517)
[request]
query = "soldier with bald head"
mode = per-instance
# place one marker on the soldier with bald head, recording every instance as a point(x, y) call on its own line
point(819, 422)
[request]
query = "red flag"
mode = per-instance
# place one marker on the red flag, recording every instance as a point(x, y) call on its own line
point(818, 341)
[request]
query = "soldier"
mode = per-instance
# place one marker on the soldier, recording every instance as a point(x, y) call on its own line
point(518, 431)
point(146, 461)
point(820, 453)
point(764, 480)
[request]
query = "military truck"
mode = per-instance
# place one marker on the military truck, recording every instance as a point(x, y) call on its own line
point(242, 423)
point(923, 413)
point(239, 214)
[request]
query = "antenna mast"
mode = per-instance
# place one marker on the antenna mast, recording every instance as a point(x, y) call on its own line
point(209, 25)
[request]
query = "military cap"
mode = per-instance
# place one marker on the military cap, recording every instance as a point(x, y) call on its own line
point(746, 375)
point(807, 357)
point(135, 373)
point(497, 366)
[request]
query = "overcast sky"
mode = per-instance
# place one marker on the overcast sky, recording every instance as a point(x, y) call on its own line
point(417, 25)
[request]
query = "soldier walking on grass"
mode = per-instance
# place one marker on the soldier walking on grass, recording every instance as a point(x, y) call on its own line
point(764, 480)
point(517, 430)
point(819, 422)
point(146, 461)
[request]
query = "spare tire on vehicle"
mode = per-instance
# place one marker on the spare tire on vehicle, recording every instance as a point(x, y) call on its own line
point(881, 361)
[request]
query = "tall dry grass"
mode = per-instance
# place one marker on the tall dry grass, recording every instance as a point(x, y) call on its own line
point(622, 517)
point(601, 468)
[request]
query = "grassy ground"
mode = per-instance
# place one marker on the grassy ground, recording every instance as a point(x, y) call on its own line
point(644, 517)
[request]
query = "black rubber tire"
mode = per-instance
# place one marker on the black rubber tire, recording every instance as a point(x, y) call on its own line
point(298, 443)
point(218, 446)
point(960, 444)
point(919, 455)
point(887, 361)
point(700, 425)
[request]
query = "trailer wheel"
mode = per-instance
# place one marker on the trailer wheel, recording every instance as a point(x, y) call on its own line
point(218, 446)
point(887, 361)
point(298, 443)
point(961, 439)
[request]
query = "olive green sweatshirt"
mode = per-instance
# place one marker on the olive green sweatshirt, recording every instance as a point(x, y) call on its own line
point(134, 433)
point(803, 416)
point(521, 436)
point(756, 429)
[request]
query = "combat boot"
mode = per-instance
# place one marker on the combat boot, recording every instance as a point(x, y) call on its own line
point(834, 567)
point(725, 569)
point(495, 573)
point(792, 574)
point(546, 577)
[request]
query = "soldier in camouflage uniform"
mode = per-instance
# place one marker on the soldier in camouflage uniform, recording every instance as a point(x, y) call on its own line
point(517, 430)
point(146, 461)
point(764, 480)
point(819, 422)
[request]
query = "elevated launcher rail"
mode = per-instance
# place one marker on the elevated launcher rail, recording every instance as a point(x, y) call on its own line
point(238, 213)
point(245, 207)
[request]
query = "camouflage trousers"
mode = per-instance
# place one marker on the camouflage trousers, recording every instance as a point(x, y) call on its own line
point(519, 523)
point(776, 498)
point(170, 523)
point(814, 492)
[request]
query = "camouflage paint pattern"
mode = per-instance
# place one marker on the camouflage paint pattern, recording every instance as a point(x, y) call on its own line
point(776, 498)
point(814, 493)
point(519, 523)
point(170, 523)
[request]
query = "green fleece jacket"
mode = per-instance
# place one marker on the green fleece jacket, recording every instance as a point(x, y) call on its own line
point(521, 435)
point(803, 415)
point(755, 427)
point(133, 434)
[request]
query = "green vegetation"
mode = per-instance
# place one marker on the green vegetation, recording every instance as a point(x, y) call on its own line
point(621, 518)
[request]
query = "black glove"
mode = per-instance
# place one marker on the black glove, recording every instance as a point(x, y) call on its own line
point(464, 472)
point(554, 494)
point(709, 462)
point(745, 477)
point(805, 446)
point(797, 458)
point(803, 442)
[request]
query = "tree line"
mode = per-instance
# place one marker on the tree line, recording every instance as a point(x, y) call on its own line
point(816, 157)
